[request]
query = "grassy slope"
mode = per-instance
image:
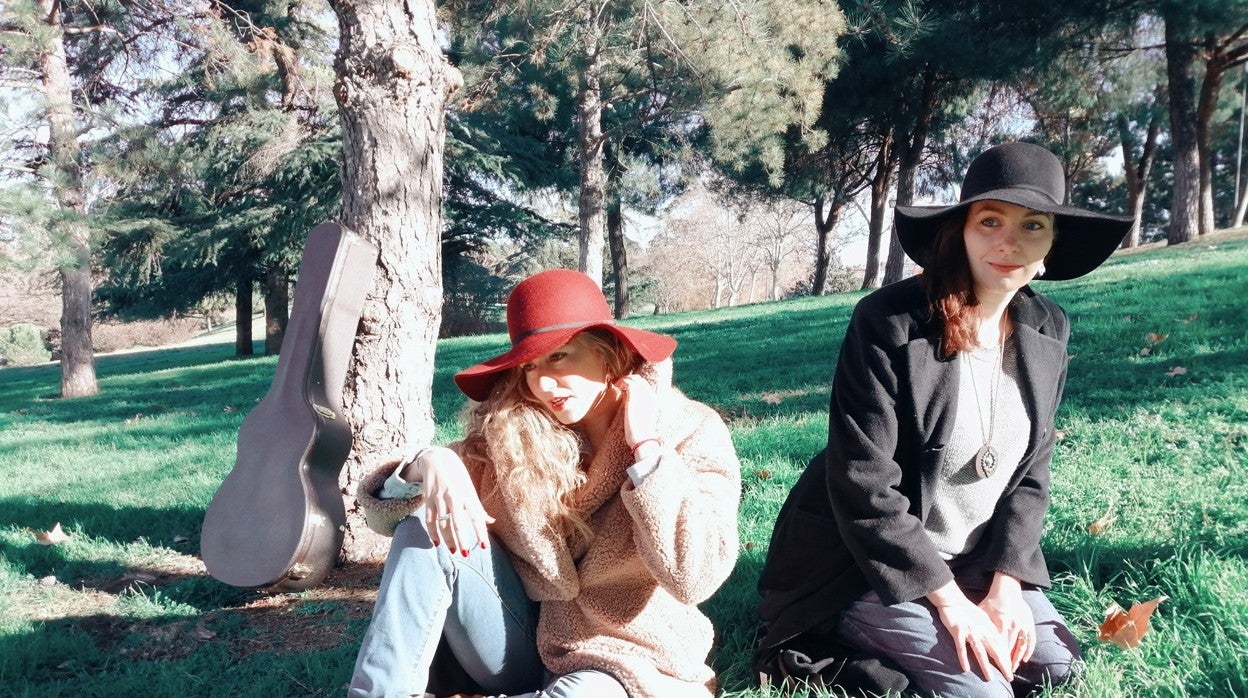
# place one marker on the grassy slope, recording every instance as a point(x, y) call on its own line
point(128, 474)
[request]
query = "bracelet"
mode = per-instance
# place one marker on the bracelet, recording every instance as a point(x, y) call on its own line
point(637, 445)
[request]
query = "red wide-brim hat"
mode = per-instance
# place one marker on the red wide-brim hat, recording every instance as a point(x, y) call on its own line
point(544, 312)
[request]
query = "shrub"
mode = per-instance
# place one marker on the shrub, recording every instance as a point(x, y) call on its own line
point(22, 345)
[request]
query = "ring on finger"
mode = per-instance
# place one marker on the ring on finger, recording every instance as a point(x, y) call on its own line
point(444, 517)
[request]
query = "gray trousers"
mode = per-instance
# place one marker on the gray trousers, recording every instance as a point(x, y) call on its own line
point(911, 635)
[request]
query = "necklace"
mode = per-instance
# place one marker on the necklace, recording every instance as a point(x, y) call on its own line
point(986, 458)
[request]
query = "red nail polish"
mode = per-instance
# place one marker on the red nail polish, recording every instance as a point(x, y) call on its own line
point(465, 552)
point(483, 545)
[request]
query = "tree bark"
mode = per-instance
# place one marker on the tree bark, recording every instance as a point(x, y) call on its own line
point(243, 297)
point(392, 86)
point(276, 309)
point(1185, 206)
point(825, 222)
point(880, 185)
point(1206, 104)
point(590, 207)
point(65, 161)
point(619, 254)
point(909, 154)
point(1137, 168)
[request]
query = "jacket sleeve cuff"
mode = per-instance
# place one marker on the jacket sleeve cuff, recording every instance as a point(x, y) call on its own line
point(383, 515)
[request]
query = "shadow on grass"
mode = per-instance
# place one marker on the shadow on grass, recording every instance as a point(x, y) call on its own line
point(733, 613)
point(235, 652)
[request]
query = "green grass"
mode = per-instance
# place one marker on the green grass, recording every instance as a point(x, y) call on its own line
point(123, 608)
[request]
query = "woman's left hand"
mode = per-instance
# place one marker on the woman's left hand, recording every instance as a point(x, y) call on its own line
point(641, 414)
point(1009, 611)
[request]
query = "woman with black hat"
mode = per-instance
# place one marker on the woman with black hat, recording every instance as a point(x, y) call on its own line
point(908, 553)
point(561, 547)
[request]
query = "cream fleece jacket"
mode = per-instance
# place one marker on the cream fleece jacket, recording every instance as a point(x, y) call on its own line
point(624, 603)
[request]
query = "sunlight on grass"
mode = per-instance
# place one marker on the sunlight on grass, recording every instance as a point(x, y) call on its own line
point(1158, 456)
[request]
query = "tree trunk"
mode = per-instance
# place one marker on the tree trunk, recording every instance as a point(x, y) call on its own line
point(619, 256)
point(243, 299)
point(1137, 168)
point(392, 86)
point(591, 213)
point(615, 232)
point(1206, 104)
point(880, 185)
point(1185, 207)
point(276, 309)
point(1242, 209)
point(824, 224)
point(65, 161)
point(909, 154)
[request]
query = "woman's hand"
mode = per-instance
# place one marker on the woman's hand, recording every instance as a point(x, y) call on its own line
point(1007, 609)
point(641, 415)
point(972, 630)
point(453, 511)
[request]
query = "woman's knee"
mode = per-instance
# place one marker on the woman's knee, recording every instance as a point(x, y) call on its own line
point(412, 552)
point(1057, 658)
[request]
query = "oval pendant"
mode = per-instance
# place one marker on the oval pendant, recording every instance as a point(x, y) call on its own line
point(986, 461)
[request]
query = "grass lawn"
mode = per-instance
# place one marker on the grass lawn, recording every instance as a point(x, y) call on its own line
point(1154, 446)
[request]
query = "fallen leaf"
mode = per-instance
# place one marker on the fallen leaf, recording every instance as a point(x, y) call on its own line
point(762, 474)
point(1145, 351)
point(202, 633)
point(1189, 318)
point(56, 535)
point(1176, 371)
point(1155, 337)
point(749, 545)
point(1059, 434)
point(1127, 628)
point(1099, 526)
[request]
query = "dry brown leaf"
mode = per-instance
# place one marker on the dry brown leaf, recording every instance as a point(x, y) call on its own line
point(1155, 337)
point(762, 474)
point(56, 535)
point(202, 633)
point(749, 545)
point(1127, 628)
point(1059, 434)
point(1176, 371)
point(1099, 526)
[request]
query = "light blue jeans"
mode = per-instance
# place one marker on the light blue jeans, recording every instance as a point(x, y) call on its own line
point(912, 635)
point(478, 603)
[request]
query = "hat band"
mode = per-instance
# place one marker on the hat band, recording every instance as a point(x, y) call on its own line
point(562, 326)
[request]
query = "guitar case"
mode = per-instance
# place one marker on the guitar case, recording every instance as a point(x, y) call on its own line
point(276, 522)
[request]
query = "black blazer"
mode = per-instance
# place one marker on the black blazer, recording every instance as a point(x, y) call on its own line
point(854, 520)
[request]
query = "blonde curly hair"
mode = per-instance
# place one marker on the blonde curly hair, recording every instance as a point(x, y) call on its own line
point(533, 455)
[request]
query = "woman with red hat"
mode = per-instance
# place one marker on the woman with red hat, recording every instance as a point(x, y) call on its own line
point(907, 556)
point(561, 547)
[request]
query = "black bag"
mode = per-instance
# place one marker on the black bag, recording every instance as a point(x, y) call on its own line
point(812, 661)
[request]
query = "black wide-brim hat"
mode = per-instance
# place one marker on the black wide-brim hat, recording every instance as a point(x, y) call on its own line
point(1030, 176)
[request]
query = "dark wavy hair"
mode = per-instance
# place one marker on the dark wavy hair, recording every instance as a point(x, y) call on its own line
point(951, 288)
